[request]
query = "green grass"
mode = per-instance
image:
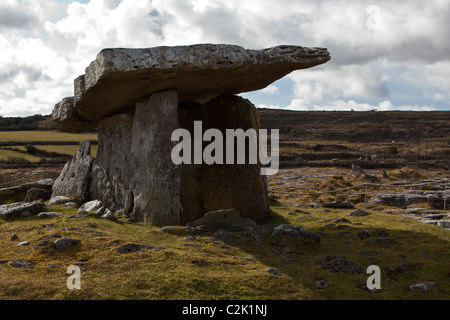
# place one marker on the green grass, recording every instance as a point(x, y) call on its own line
point(66, 149)
point(5, 154)
point(204, 270)
point(45, 136)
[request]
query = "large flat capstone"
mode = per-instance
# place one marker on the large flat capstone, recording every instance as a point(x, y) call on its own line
point(198, 73)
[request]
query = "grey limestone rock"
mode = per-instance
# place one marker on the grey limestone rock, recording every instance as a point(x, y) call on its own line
point(60, 200)
point(339, 264)
point(119, 76)
point(305, 235)
point(75, 176)
point(14, 210)
point(229, 220)
point(423, 286)
point(65, 243)
point(22, 264)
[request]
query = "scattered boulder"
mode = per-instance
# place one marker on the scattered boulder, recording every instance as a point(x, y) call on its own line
point(435, 199)
point(342, 220)
point(398, 269)
point(37, 194)
point(322, 283)
point(24, 243)
point(14, 237)
point(71, 204)
point(273, 272)
point(229, 220)
point(307, 236)
point(20, 209)
point(46, 215)
point(358, 213)
point(363, 234)
point(19, 193)
point(423, 286)
point(56, 200)
point(338, 205)
point(95, 206)
point(65, 243)
point(339, 264)
point(108, 214)
point(22, 264)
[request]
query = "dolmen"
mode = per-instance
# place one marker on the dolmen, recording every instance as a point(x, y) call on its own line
point(140, 99)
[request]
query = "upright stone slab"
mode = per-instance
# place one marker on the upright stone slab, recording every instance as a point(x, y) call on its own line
point(191, 196)
point(113, 167)
point(75, 176)
point(156, 181)
point(234, 186)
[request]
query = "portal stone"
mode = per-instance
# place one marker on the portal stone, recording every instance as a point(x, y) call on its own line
point(156, 180)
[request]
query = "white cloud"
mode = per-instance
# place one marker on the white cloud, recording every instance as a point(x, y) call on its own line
point(271, 89)
point(44, 45)
point(351, 105)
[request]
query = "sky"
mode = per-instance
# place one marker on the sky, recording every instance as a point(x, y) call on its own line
point(385, 55)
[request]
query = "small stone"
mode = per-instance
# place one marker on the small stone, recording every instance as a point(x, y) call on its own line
point(358, 213)
point(339, 205)
point(273, 271)
point(14, 237)
point(298, 232)
point(397, 269)
point(60, 200)
point(339, 264)
point(22, 264)
point(109, 215)
point(95, 206)
point(24, 243)
point(46, 215)
point(54, 266)
point(65, 243)
point(322, 283)
point(71, 204)
point(363, 234)
point(423, 286)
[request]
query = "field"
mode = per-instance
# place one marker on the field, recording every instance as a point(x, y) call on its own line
point(318, 150)
point(22, 148)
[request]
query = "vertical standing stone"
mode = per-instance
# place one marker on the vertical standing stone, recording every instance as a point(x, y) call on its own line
point(156, 181)
point(191, 197)
point(112, 170)
point(75, 176)
point(234, 186)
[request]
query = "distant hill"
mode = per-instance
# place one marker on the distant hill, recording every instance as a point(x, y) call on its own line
point(36, 122)
point(370, 126)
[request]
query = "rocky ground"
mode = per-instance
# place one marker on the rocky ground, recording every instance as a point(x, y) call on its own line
point(312, 247)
